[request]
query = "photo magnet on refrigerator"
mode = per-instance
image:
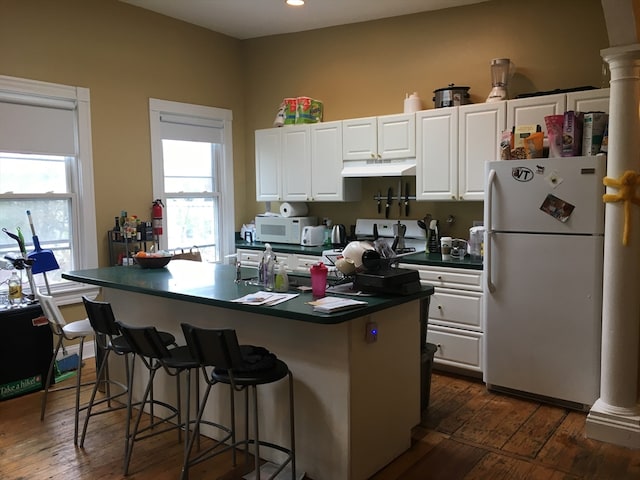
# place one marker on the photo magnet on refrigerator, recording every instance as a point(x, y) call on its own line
point(557, 208)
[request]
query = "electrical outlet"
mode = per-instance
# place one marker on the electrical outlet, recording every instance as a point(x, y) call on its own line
point(371, 332)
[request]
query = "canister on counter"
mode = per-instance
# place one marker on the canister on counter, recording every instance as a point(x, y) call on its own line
point(445, 247)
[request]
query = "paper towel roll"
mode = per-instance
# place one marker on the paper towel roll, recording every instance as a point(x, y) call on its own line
point(294, 209)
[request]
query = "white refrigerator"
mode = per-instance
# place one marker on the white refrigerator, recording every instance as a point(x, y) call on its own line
point(544, 240)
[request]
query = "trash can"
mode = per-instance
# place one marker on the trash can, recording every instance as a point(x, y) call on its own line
point(427, 365)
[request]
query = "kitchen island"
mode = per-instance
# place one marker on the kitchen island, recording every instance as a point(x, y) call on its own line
point(355, 401)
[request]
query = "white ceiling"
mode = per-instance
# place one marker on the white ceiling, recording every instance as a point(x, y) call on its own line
point(244, 19)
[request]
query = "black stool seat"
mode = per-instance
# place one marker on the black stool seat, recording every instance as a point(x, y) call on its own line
point(260, 377)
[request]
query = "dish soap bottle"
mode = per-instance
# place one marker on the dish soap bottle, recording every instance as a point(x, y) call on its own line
point(268, 264)
point(281, 279)
point(15, 289)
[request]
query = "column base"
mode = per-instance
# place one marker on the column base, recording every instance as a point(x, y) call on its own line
point(620, 428)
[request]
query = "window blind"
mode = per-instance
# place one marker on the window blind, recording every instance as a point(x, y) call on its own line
point(195, 129)
point(37, 129)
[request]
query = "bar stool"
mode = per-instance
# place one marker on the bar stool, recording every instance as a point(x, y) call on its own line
point(243, 368)
point(147, 344)
point(80, 329)
point(109, 339)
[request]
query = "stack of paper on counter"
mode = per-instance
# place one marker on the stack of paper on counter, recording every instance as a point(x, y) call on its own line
point(335, 304)
point(265, 298)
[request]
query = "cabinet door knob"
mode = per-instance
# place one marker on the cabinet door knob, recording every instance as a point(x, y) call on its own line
point(439, 277)
point(439, 307)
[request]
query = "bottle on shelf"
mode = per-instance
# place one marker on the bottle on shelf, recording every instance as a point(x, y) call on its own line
point(15, 289)
point(115, 233)
point(122, 221)
point(268, 265)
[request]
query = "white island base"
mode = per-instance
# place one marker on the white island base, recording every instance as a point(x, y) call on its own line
point(355, 402)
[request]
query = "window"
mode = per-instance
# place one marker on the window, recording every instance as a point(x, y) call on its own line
point(193, 176)
point(46, 167)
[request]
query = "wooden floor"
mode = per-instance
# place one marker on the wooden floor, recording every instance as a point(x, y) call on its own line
point(467, 433)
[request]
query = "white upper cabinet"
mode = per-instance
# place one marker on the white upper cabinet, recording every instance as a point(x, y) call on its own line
point(296, 163)
point(589, 100)
point(268, 165)
point(386, 137)
point(397, 136)
point(480, 129)
point(437, 154)
point(360, 139)
point(301, 163)
point(326, 166)
point(532, 110)
point(453, 143)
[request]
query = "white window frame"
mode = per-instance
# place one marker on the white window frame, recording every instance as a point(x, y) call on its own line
point(225, 167)
point(84, 212)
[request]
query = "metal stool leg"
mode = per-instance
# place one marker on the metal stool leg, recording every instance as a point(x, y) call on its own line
point(78, 385)
point(94, 391)
point(43, 403)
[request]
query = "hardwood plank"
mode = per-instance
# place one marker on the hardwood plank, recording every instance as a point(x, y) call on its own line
point(467, 433)
point(502, 467)
point(496, 421)
point(463, 408)
point(568, 449)
point(449, 460)
point(535, 431)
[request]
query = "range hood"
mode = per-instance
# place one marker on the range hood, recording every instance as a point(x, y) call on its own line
point(367, 168)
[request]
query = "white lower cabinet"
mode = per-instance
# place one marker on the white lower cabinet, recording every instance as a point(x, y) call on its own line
point(456, 348)
point(455, 325)
point(292, 262)
point(251, 258)
point(303, 262)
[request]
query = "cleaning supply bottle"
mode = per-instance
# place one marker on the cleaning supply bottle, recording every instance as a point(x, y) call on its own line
point(15, 289)
point(268, 264)
point(281, 284)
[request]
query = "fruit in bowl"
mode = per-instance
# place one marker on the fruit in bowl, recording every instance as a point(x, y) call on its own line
point(152, 260)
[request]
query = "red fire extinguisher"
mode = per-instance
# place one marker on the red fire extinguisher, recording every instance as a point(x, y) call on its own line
point(156, 216)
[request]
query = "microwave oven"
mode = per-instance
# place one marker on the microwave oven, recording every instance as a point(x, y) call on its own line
point(282, 229)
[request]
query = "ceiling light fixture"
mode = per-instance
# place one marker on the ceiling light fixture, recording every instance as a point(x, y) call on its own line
point(295, 3)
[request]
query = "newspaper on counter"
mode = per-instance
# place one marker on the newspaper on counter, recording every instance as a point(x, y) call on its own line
point(265, 298)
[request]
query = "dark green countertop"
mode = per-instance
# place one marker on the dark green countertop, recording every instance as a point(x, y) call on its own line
point(213, 284)
point(283, 247)
point(432, 259)
point(435, 260)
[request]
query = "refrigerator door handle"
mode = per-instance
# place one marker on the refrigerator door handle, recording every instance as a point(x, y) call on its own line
point(489, 230)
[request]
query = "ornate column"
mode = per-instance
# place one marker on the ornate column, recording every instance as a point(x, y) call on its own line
point(615, 417)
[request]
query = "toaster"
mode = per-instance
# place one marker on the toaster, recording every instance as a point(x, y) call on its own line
point(312, 236)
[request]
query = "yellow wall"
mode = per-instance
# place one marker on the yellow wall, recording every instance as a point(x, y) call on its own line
point(125, 55)
point(366, 69)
